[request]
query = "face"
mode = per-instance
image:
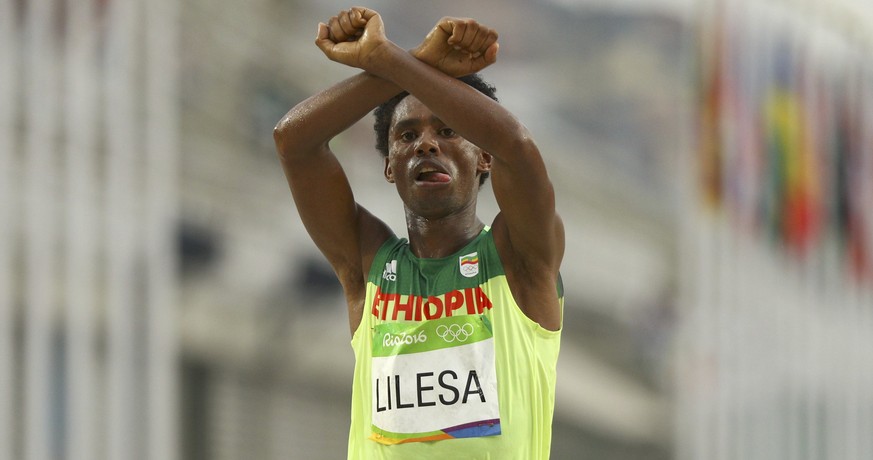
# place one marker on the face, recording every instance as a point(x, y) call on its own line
point(435, 170)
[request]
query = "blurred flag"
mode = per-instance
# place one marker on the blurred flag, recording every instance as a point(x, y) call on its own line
point(709, 79)
point(865, 170)
point(794, 215)
point(850, 206)
point(746, 59)
point(791, 204)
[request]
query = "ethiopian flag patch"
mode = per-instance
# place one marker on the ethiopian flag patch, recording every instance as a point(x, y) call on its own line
point(469, 264)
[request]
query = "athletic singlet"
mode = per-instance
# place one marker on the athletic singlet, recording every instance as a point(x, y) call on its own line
point(446, 364)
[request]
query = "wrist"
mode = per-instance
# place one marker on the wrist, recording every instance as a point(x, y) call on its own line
point(415, 52)
point(385, 57)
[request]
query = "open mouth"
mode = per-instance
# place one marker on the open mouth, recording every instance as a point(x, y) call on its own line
point(432, 175)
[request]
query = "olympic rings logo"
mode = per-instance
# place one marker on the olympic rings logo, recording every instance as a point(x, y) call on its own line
point(454, 332)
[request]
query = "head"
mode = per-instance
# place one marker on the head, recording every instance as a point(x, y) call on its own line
point(384, 114)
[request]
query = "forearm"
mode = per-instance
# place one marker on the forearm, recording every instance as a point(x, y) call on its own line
point(473, 115)
point(318, 119)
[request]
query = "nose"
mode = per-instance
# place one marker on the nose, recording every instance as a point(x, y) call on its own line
point(427, 145)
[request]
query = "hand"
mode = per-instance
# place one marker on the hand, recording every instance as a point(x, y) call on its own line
point(352, 37)
point(458, 46)
point(346, 26)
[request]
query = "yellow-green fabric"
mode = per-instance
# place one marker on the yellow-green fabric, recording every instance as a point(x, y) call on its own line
point(525, 354)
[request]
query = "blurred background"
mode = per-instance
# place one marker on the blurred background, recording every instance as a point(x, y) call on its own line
point(713, 161)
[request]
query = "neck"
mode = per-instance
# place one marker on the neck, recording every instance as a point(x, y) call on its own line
point(433, 238)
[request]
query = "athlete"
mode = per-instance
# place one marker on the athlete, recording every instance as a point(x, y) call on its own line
point(456, 329)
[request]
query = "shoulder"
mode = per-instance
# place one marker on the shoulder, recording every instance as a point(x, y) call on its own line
point(387, 251)
point(533, 276)
point(374, 234)
point(544, 259)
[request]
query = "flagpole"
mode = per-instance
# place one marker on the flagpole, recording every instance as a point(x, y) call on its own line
point(39, 177)
point(162, 144)
point(81, 125)
point(9, 62)
point(122, 224)
point(866, 289)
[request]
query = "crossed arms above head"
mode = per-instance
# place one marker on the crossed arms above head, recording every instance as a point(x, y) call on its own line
point(527, 228)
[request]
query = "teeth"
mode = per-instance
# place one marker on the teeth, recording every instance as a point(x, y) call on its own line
point(427, 170)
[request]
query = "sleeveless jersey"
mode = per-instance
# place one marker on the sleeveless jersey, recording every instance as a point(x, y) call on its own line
point(446, 364)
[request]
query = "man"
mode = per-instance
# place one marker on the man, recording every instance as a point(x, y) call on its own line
point(455, 331)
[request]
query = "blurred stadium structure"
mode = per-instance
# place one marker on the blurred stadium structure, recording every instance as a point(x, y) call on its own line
point(774, 358)
point(713, 162)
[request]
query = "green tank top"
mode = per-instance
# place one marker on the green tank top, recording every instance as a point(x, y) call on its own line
point(446, 364)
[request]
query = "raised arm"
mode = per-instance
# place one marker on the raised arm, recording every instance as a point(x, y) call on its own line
point(528, 226)
point(345, 232)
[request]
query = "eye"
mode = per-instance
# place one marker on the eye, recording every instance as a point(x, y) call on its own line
point(407, 136)
point(447, 132)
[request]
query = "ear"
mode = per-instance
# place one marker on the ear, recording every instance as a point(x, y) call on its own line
point(484, 164)
point(388, 172)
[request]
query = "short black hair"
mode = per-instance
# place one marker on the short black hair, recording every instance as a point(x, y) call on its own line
point(385, 112)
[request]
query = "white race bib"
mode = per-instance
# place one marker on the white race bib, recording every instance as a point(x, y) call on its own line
point(434, 380)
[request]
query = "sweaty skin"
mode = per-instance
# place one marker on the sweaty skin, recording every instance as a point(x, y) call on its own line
point(443, 136)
